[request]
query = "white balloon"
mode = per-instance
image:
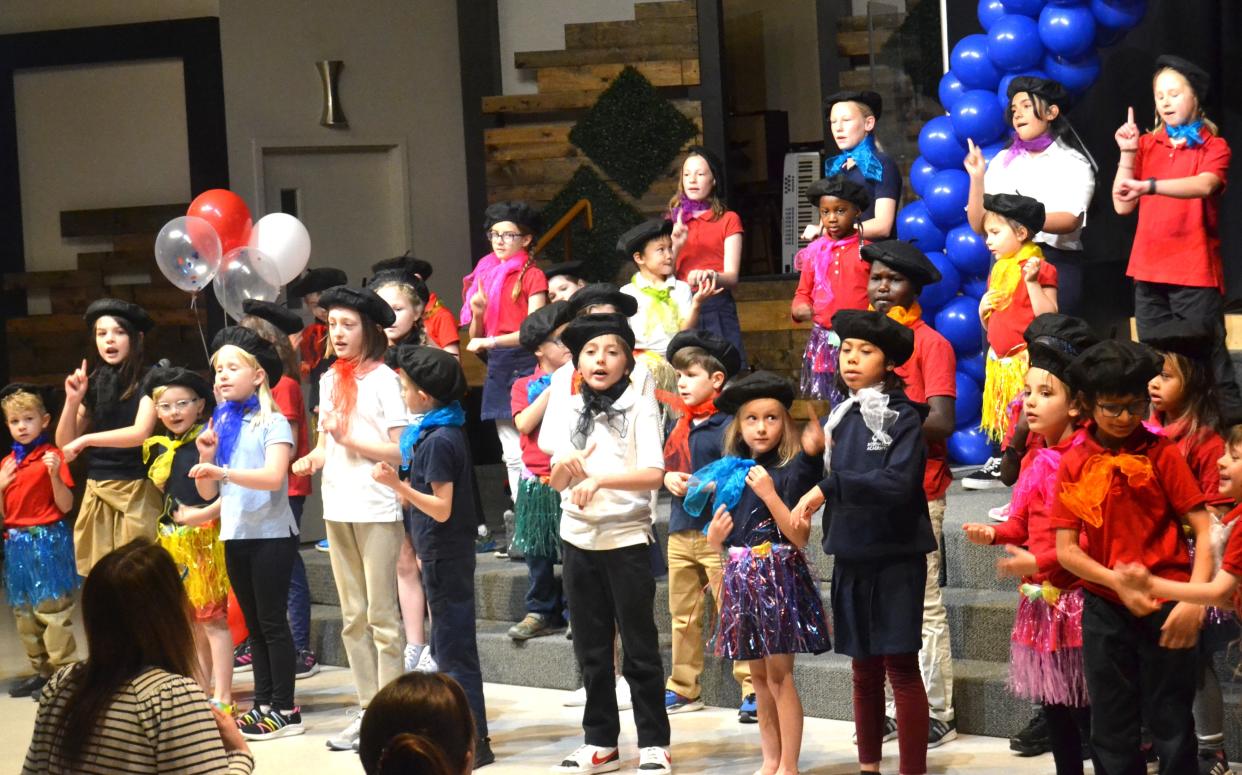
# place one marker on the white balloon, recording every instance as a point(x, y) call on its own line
point(284, 240)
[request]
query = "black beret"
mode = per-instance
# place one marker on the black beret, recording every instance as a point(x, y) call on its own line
point(286, 320)
point(713, 164)
point(176, 376)
point(251, 342)
point(758, 384)
point(896, 340)
point(1196, 76)
point(38, 391)
point(1023, 209)
point(407, 263)
point(636, 239)
point(842, 188)
point(583, 329)
point(128, 311)
point(540, 324)
point(569, 269)
point(1051, 91)
point(1115, 367)
point(436, 372)
point(869, 98)
point(602, 293)
point(404, 276)
point(905, 258)
point(1183, 337)
point(317, 281)
point(716, 346)
point(515, 212)
point(364, 300)
point(1055, 340)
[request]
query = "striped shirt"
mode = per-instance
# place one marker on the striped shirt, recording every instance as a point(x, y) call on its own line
point(158, 722)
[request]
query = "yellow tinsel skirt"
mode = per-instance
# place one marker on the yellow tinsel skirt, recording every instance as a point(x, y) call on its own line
point(199, 555)
point(1005, 379)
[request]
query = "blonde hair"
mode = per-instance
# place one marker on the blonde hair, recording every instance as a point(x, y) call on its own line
point(786, 451)
point(867, 113)
point(267, 404)
point(1199, 114)
point(23, 401)
point(718, 205)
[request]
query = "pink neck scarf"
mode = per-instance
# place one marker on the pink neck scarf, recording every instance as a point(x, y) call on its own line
point(821, 253)
point(1035, 145)
point(489, 275)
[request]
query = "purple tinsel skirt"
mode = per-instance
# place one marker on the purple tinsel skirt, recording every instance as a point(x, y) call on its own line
point(819, 366)
point(769, 604)
point(1045, 651)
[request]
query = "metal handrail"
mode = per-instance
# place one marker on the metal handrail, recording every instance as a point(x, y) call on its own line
point(582, 205)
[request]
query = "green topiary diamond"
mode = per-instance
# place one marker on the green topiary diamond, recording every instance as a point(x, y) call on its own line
point(632, 133)
point(611, 215)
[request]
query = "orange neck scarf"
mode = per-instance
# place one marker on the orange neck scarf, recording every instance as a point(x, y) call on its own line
point(345, 391)
point(677, 445)
point(1085, 497)
point(907, 316)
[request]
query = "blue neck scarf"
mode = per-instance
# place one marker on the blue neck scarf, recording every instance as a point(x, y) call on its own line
point(536, 386)
point(20, 450)
point(449, 415)
point(864, 158)
point(227, 422)
point(1188, 132)
point(726, 478)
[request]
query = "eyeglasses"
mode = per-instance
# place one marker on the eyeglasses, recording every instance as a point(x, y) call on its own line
point(179, 406)
point(508, 236)
point(1137, 408)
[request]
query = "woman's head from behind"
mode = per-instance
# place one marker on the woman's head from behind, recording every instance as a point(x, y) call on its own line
point(419, 723)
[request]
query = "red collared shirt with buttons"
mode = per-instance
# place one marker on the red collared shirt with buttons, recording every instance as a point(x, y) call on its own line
point(847, 277)
point(705, 239)
point(29, 500)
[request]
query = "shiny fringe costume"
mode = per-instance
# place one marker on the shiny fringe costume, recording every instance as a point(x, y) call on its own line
point(39, 564)
point(199, 555)
point(1045, 649)
point(819, 366)
point(1004, 381)
point(769, 604)
point(537, 510)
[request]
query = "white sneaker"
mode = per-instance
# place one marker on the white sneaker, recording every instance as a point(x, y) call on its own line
point(576, 698)
point(654, 759)
point(426, 663)
point(347, 738)
point(409, 658)
point(591, 759)
point(999, 513)
point(623, 694)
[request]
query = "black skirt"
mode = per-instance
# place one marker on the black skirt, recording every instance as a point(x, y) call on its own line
point(504, 366)
point(877, 606)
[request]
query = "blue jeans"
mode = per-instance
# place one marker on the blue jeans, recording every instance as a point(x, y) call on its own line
point(299, 589)
point(449, 584)
point(543, 596)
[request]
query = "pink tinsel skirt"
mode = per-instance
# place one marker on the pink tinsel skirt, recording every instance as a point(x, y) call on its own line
point(769, 604)
point(1045, 651)
point(819, 366)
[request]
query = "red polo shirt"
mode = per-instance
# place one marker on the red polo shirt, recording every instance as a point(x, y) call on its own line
point(536, 460)
point(288, 397)
point(1006, 326)
point(439, 323)
point(704, 247)
point(1177, 241)
point(847, 276)
point(1201, 455)
point(29, 500)
point(514, 311)
point(1140, 522)
point(931, 372)
point(1231, 558)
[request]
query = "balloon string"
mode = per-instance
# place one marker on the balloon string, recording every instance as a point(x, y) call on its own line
point(198, 321)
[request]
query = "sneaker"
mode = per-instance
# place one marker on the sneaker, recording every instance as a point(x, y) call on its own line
point(1214, 763)
point(484, 544)
point(483, 754)
point(347, 738)
point(1149, 756)
point(890, 731)
point(623, 694)
point(251, 716)
point(411, 655)
point(243, 660)
point(576, 698)
point(322, 546)
point(29, 687)
point(306, 664)
point(569, 631)
point(654, 759)
point(426, 662)
point(590, 759)
point(999, 513)
point(274, 724)
point(1033, 740)
point(938, 732)
point(748, 711)
point(986, 477)
point(675, 703)
point(533, 626)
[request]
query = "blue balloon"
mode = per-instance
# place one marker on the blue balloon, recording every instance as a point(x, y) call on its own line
point(969, 403)
point(959, 323)
point(977, 116)
point(946, 196)
point(1076, 75)
point(969, 62)
point(1002, 91)
point(949, 91)
point(1013, 43)
point(967, 251)
point(970, 447)
point(1067, 30)
point(990, 151)
point(975, 366)
point(1114, 13)
point(1029, 8)
point(989, 11)
point(975, 287)
point(936, 295)
point(915, 225)
point(920, 172)
point(940, 146)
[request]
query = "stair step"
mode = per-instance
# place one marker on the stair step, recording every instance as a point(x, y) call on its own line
point(885, 21)
point(61, 278)
point(551, 102)
point(665, 9)
point(675, 72)
point(605, 55)
point(118, 261)
point(107, 222)
point(858, 44)
point(681, 31)
point(36, 325)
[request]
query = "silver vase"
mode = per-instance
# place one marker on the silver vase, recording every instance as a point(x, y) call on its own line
point(333, 115)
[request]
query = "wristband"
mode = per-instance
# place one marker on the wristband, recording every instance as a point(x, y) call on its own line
point(1151, 185)
point(225, 478)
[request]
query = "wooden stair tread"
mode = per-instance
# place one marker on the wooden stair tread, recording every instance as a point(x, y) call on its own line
point(604, 55)
point(549, 102)
point(60, 278)
point(117, 261)
point(857, 44)
point(71, 323)
point(639, 32)
point(666, 9)
point(148, 219)
point(671, 72)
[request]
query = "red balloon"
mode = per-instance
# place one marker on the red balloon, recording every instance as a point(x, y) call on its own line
point(227, 214)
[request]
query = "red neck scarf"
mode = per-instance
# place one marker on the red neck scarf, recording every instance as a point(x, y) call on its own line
point(345, 391)
point(677, 446)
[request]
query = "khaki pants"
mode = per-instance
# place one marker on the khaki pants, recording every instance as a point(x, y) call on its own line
point(692, 565)
point(46, 632)
point(113, 513)
point(364, 563)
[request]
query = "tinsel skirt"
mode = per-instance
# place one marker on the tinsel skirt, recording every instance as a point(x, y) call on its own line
point(39, 564)
point(819, 366)
point(1004, 380)
point(199, 555)
point(769, 604)
point(537, 512)
point(1045, 649)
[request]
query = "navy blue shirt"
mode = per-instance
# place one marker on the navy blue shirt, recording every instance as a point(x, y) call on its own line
point(180, 488)
point(706, 440)
point(752, 522)
point(887, 187)
point(874, 506)
point(443, 455)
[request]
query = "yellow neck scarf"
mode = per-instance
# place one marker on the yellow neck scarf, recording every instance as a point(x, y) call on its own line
point(1007, 273)
point(662, 313)
point(907, 316)
point(1085, 496)
point(161, 467)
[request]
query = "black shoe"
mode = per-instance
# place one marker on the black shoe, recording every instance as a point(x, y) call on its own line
point(1214, 763)
point(1033, 740)
point(483, 755)
point(986, 477)
point(940, 732)
point(29, 687)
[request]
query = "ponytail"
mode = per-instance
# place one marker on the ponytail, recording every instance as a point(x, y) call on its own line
point(517, 286)
point(409, 753)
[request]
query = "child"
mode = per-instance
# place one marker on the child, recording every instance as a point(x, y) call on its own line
point(361, 417)
point(666, 305)
point(1174, 176)
point(442, 519)
point(437, 320)
point(1129, 491)
point(1045, 662)
point(181, 397)
point(244, 459)
point(106, 410)
point(407, 295)
point(1045, 160)
point(770, 609)
point(877, 529)
point(704, 362)
point(707, 242)
point(538, 506)
point(899, 271)
point(313, 348)
point(564, 280)
point(607, 458)
point(39, 574)
point(852, 116)
point(833, 278)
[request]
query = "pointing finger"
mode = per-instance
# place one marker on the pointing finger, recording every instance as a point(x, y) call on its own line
point(1130, 115)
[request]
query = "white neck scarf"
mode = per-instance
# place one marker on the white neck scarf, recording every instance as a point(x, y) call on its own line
point(873, 403)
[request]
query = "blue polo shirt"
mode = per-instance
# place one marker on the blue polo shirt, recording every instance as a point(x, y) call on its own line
point(706, 440)
point(443, 455)
point(247, 513)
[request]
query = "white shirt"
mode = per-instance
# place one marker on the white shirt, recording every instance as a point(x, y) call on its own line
point(657, 338)
point(1060, 178)
point(349, 492)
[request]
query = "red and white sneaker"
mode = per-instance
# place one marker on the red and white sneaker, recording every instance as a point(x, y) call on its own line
point(655, 759)
point(591, 759)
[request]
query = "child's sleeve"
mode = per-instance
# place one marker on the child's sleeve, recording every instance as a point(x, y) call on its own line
point(1047, 274)
point(278, 431)
point(1177, 480)
point(440, 460)
point(1216, 157)
point(731, 224)
point(393, 413)
point(325, 397)
point(1231, 558)
point(806, 280)
point(557, 420)
point(894, 481)
point(683, 297)
point(1060, 516)
point(939, 368)
point(889, 185)
point(287, 396)
point(517, 395)
point(648, 434)
point(534, 281)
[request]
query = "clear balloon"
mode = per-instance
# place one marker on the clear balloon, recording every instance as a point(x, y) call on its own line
point(969, 62)
point(1013, 43)
point(977, 116)
point(947, 193)
point(187, 251)
point(1067, 30)
point(284, 240)
point(245, 274)
point(915, 225)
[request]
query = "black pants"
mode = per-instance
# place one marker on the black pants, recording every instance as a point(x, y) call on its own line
point(259, 570)
point(1156, 303)
point(1132, 679)
point(613, 590)
point(1068, 729)
point(449, 584)
point(1069, 264)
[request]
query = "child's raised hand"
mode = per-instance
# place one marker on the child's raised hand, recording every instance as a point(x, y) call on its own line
point(720, 527)
point(52, 461)
point(676, 483)
point(8, 472)
point(813, 231)
point(572, 462)
point(76, 384)
point(384, 474)
point(759, 480)
point(582, 492)
point(1127, 135)
point(680, 232)
point(1030, 270)
point(1019, 563)
point(976, 533)
point(813, 442)
point(975, 164)
point(807, 505)
point(207, 443)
